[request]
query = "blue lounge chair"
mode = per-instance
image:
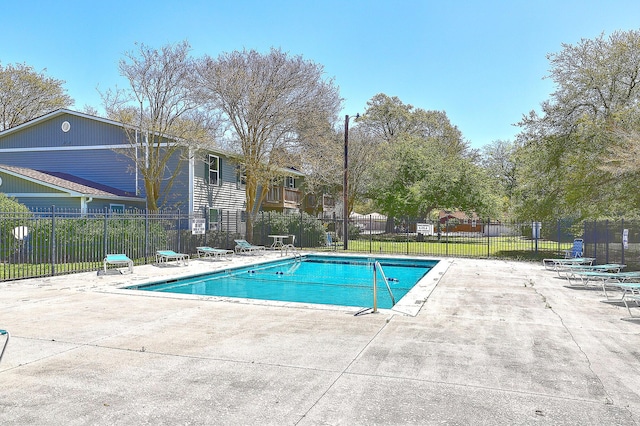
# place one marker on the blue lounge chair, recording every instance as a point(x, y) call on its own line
point(577, 249)
point(243, 246)
point(215, 253)
point(165, 256)
point(331, 242)
point(118, 260)
point(6, 342)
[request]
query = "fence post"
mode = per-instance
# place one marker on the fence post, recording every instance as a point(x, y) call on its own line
point(406, 230)
point(446, 237)
point(488, 235)
point(146, 236)
point(104, 244)
point(606, 240)
point(595, 239)
point(370, 235)
point(53, 240)
point(622, 242)
point(300, 230)
point(584, 238)
point(179, 229)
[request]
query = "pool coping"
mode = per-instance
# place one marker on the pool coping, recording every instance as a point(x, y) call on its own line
point(409, 305)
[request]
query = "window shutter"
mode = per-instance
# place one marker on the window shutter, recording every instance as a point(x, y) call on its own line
point(206, 169)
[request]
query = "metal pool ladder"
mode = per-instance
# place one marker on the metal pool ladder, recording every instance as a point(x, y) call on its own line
point(376, 265)
point(296, 254)
point(4, 333)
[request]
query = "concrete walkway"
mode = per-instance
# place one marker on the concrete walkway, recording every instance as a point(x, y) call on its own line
point(496, 342)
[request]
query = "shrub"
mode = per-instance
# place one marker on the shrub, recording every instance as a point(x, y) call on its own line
point(14, 226)
point(308, 230)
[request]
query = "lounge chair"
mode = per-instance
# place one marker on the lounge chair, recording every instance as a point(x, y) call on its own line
point(215, 253)
point(636, 299)
point(557, 264)
point(602, 275)
point(331, 242)
point(118, 260)
point(6, 342)
point(165, 256)
point(243, 246)
point(577, 249)
point(628, 289)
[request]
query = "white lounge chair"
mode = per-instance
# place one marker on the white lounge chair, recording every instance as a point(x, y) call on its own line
point(215, 253)
point(243, 246)
point(556, 264)
point(165, 256)
point(118, 260)
point(612, 274)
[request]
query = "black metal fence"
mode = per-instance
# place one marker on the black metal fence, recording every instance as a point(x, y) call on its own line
point(53, 241)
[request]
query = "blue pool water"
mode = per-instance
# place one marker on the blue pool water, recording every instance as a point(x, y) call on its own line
point(333, 280)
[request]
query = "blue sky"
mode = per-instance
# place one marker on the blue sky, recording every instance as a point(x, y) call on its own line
point(482, 62)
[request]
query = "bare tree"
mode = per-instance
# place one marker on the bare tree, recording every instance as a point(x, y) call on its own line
point(268, 103)
point(160, 114)
point(26, 94)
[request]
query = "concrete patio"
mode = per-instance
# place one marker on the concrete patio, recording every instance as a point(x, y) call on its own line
point(495, 342)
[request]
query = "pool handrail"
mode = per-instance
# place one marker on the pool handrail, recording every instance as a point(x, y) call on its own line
point(384, 277)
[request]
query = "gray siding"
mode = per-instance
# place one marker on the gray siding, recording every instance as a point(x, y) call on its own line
point(104, 166)
point(12, 184)
point(49, 134)
point(46, 203)
point(83, 151)
point(87, 151)
point(74, 203)
point(178, 196)
point(229, 195)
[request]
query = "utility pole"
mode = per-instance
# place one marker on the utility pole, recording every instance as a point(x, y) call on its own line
point(345, 192)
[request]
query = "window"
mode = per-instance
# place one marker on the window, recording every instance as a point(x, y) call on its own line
point(116, 208)
point(290, 182)
point(214, 218)
point(214, 170)
point(241, 177)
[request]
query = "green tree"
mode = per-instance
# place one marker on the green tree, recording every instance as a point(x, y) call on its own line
point(26, 94)
point(570, 152)
point(499, 161)
point(415, 176)
point(267, 102)
point(422, 162)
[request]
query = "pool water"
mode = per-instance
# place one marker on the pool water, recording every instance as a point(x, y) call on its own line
point(333, 280)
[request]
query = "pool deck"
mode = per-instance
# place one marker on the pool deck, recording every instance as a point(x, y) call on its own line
point(495, 342)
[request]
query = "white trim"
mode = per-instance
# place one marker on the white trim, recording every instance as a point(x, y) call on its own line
point(217, 170)
point(56, 113)
point(192, 171)
point(41, 194)
point(67, 148)
point(70, 195)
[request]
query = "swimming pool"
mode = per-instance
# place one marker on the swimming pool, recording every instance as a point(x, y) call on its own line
point(317, 279)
